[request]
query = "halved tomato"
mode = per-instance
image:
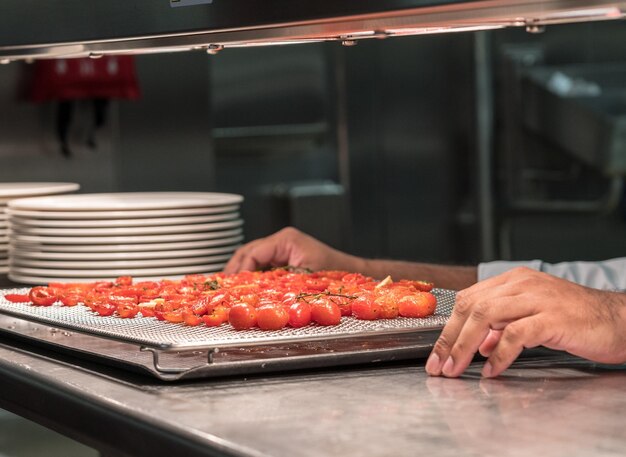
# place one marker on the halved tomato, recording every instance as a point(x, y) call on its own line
point(42, 296)
point(17, 298)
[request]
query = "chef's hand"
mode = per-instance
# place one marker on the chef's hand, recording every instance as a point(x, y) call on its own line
point(291, 247)
point(523, 308)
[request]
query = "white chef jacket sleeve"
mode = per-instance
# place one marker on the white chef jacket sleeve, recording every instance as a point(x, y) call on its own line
point(607, 274)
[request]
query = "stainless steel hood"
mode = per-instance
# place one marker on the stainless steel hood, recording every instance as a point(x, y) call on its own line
point(32, 29)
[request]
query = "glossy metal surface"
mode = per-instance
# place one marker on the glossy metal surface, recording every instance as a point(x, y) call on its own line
point(31, 30)
point(545, 406)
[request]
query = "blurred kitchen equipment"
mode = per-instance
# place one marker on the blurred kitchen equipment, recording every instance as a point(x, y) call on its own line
point(318, 208)
point(66, 81)
point(581, 108)
point(562, 155)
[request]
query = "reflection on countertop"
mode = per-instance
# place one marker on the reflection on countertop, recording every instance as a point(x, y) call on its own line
point(548, 405)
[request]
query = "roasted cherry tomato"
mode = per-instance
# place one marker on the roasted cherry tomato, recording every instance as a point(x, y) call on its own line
point(423, 286)
point(388, 306)
point(250, 299)
point(17, 298)
point(365, 308)
point(124, 281)
point(127, 310)
point(344, 303)
point(104, 309)
point(221, 299)
point(272, 317)
point(242, 316)
point(355, 278)
point(71, 299)
point(289, 298)
point(146, 310)
point(325, 312)
point(420, 304)
point(175, 316)
point(119, 300)
point(217, 317)
point(190, 318)
point(102, 285)
point(202, 306)
point(42, 296)
point(299, 314)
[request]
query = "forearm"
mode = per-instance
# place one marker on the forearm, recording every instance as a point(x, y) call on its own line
point(444, 276)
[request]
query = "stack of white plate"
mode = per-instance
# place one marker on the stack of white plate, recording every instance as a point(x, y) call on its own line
point(13, 190)
point(147, 235)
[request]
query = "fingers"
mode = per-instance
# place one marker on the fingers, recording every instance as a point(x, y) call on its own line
point(245, 257)
point(259, 256)
point(487, 305)
point(525, 333)
point(232, 266)
point(487, 346)
point(256, 254)
point(273, 250)
point(468, 329)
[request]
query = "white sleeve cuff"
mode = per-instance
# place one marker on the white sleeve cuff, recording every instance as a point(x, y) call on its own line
point(490, 269)
point(608, 274)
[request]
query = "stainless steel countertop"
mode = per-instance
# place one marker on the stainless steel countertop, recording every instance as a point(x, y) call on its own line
point(543, 406)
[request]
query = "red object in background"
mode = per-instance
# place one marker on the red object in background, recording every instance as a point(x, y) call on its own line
point(108, 77)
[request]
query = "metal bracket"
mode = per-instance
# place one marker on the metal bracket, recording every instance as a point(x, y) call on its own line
point(177, 3)
point(161, 369)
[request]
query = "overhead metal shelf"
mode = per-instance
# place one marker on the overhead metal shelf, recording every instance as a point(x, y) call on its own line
point(32, 29)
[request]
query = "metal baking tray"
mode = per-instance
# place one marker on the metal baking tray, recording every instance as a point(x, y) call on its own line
point(175, 351)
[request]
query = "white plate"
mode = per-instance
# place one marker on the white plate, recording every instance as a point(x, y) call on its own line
point(119, 264)
point(36, 280)
point(112, 273)
point(114, 240)
point(126, 201)
point(11, 190)
point(150, 213)
point(144, 222)
point(141, 247)
point(124, 231)
point(40, 255)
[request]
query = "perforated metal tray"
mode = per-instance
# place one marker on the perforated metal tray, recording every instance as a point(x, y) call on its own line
point(175, 351)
